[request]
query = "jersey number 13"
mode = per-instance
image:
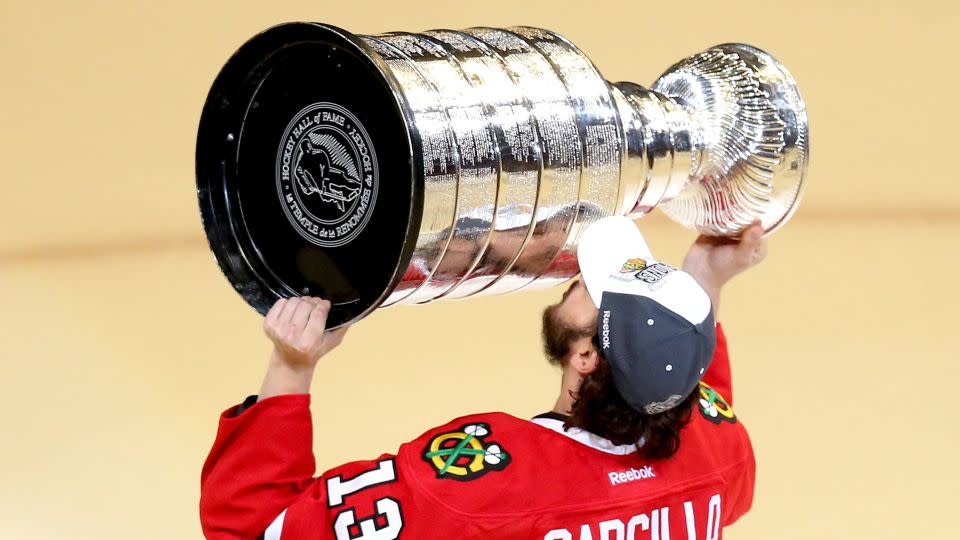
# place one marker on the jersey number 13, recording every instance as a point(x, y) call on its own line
point(346, 526)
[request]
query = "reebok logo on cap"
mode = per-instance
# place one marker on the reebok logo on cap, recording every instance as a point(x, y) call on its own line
point(605, 330)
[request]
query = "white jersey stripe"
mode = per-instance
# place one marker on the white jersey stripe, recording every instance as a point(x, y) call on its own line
point(587, 438)
point(275, 528)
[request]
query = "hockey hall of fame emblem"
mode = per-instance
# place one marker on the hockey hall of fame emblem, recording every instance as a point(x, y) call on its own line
point(327, 174)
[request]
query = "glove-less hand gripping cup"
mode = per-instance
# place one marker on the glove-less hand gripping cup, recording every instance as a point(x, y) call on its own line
point(405, 168)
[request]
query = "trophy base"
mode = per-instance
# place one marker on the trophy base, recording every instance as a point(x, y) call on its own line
point(300, 139)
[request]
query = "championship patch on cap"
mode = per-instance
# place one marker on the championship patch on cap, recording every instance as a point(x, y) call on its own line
point(656, 325)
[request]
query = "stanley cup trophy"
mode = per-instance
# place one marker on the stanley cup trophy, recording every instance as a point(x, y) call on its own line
point(405, 168)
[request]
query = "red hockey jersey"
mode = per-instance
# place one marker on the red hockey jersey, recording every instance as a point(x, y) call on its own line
point(481, 476)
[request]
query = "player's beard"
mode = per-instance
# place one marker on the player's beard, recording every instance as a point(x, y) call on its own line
point(558, 334)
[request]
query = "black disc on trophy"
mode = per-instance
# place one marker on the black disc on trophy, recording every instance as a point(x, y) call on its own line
point(306, 172)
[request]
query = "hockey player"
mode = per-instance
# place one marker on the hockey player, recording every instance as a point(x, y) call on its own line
point(641, 443)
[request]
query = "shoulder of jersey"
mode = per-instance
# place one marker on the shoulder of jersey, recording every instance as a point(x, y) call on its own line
point(497, 463)
point(714, 433)
point(466, 449)
point(491, 463)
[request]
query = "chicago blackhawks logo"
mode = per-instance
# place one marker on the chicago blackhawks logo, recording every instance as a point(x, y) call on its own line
point(713, 407)
point(465, 454)
point(327, 174)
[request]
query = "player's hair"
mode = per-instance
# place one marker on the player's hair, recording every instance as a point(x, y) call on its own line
point(557, 337)
point(598, 406)
point(599, 409)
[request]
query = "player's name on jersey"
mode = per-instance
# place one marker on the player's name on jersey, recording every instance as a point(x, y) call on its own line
point(631, 474)
point(659, 523)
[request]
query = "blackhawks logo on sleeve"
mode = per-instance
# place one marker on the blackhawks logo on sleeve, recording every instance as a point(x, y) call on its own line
point(465, 454)
point(713, 407)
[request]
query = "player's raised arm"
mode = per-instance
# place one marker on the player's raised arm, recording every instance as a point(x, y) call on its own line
point(258, 482)
point(713, 262)
point(297, 328)
point(262, 458)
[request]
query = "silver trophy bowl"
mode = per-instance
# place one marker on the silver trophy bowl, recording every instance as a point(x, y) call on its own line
point(404, 168)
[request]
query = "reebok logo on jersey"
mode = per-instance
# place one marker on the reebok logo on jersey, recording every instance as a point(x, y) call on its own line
point(631, 474)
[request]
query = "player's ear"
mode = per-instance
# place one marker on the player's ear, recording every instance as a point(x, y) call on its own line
point(584, 356)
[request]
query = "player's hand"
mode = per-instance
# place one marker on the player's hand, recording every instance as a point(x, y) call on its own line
point(714, 261)
point(297, 328)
